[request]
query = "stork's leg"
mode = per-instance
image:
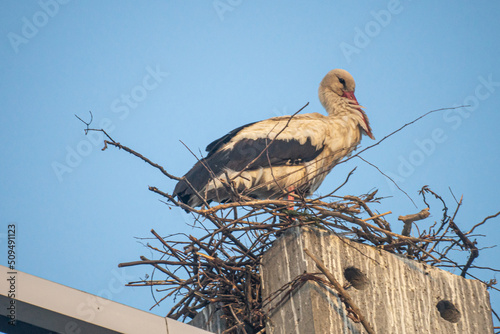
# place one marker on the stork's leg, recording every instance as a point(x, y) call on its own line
point(291, 198)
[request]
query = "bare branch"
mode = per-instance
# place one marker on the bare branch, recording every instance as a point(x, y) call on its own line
point(409, 219)
point(484, 221)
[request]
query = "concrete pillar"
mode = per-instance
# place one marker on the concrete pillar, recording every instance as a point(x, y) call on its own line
point(210, 319)
point(399, 296)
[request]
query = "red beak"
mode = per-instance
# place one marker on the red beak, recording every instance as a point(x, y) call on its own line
point(350, 96)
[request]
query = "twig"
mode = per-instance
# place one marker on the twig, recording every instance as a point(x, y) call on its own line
point(87, 129)
point(390, 178)
point(481, 223)
point(343, 294)
point(401, 128)
point(409, 219)
point(377, 216)
point(143, 158)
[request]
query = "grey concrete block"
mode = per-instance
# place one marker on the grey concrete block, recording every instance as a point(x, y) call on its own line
point(210, 319)
point(402, 296)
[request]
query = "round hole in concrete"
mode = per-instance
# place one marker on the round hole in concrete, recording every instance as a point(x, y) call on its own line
point(448, 311)
point(356, 277)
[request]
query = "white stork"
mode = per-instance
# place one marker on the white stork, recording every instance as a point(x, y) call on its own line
point(301, 150)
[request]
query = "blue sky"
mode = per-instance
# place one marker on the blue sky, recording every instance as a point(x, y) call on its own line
point(158, 72)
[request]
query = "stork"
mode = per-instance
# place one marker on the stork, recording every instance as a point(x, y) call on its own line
point(273, 157)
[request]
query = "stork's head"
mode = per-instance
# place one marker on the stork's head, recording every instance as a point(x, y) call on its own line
point(338, 81)
point(335, 85)
point(336, 91)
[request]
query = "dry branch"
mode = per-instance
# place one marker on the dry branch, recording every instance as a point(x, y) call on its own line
point(409, 219)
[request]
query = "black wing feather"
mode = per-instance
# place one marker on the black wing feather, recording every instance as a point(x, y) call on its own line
point(218, 143)
point(279, 153)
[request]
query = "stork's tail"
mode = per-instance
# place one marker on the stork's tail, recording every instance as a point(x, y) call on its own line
point(196, 178)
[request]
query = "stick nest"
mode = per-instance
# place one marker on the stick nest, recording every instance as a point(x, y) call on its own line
point(222, 267)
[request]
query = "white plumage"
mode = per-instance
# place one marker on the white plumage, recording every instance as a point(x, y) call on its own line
point(268, 158)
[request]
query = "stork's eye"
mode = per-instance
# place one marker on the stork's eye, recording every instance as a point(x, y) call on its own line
point(342, 81)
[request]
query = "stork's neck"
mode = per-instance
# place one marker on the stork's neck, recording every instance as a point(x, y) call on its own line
point(333, 103)
point(337, 106)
